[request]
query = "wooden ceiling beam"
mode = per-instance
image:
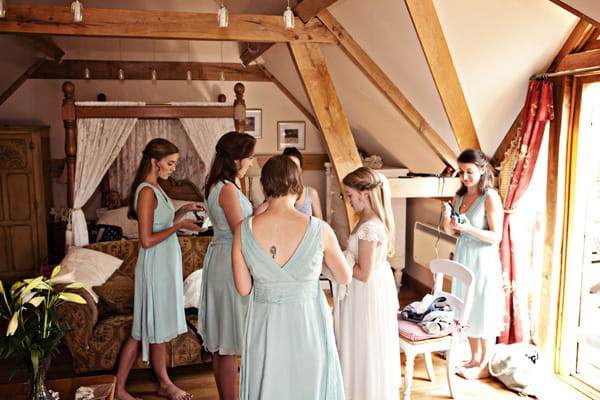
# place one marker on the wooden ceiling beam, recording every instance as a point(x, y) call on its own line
point(584, 59)
point(20, 80)
point(576, 12)
point(387, 87)
point(574, 43)
point(289, 95)
point(99, 22)
point(142, 70)
point(45, 44)
point(308, 9)
point(335, 129)
point(433, 42)
point(251, 51)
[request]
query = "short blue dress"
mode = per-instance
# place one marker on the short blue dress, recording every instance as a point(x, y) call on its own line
point(158, 312)
point(222, 311)
point(483, 259)
point(289, 348)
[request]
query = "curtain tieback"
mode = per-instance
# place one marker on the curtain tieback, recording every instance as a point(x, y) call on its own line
point(506, 211)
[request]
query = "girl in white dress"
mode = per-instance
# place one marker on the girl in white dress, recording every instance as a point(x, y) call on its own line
point(366, 327)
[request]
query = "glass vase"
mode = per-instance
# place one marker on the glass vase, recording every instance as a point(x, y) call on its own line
point(37, 388)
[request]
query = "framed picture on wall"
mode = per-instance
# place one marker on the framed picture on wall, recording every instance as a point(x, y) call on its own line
point(254, 122)
point(290, 134)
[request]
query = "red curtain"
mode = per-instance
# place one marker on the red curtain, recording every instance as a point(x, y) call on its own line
point(537, 111)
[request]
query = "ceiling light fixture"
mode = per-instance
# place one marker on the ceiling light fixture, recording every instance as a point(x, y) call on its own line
point(288, 17)
point(222, 74)
point(86, 73)
point(121, 73)
point(223, 16)
point(154, 73)
point(77, 10)
point(188, 74)
point(3, 9)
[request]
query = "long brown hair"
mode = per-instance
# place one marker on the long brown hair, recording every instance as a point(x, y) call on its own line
point(231, 146)
point(377, 185)
point(477, 157)
point(281, 176)
point(157, 149)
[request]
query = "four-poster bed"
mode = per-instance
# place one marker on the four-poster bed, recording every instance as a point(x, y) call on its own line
point(96, 132)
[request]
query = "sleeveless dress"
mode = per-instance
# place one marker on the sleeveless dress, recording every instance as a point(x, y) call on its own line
point(306, 206)
point(289, 347)
point(366, 325)
point(483, 259)
point(222, 310)
point(158, 312)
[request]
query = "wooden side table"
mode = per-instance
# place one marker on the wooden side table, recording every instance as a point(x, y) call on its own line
point(104, 386)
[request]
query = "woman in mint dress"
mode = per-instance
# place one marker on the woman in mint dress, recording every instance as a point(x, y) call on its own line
point(222, 311)
point(289, 348)
point(158, 313)
point(480, 208)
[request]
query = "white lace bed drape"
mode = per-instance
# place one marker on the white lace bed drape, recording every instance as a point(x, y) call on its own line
point(204, 133)
point(99, 141)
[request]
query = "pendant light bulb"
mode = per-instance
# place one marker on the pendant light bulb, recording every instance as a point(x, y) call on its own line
point(222, 76)
point(77, 10)
point(121, 74)
point(288, 18)
point(188, 75)
point(223, 16)
point(154, 75)
point(3, 9)
point(86, 73)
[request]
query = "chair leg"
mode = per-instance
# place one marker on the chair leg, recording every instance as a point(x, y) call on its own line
point(450, 367)
point(408, 373)
point(429, 366)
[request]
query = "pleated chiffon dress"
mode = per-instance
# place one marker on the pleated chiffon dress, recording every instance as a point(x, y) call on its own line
point(222, 311)
point(483, 259)
point(289, 347)
point(158, 312)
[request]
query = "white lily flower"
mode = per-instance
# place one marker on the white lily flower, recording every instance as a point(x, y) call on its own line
point(13, 324)
point(55, 271)
point(69, 277)
point(72, 297)
point(36, 301)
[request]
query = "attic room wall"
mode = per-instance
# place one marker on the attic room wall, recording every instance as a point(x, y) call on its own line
point(38, 102)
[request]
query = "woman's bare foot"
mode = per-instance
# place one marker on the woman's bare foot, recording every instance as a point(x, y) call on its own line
point(172, 392)
point(469, 364)
point(479, 372)
point(121, 394)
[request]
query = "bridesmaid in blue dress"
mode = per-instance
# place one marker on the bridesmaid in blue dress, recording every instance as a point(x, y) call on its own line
point(222, 310)
point(289, 347)
point(158, 313)
point(480, 210)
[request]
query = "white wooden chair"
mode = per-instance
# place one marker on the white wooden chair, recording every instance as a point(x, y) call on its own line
point(413, 340)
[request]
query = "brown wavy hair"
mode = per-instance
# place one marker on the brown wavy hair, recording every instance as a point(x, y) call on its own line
point(281, 176)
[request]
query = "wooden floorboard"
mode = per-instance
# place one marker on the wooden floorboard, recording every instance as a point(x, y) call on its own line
point(199, 380)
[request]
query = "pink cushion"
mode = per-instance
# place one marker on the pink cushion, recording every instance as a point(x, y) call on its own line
point(414, 332)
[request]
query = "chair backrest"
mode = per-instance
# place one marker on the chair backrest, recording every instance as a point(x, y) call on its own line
point(458, 271)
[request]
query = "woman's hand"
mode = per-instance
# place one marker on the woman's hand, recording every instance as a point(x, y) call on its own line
point(191, 225)
point(464, 226)
point(196, 206)
point(446, 209)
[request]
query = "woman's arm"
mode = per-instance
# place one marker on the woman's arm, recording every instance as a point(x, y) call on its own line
point(315, 204)
point(230, 203)
point(241, 273)
point(145, 209)
point(334, 258)
point(495, 218)
point(446, 220)
point(366, 259)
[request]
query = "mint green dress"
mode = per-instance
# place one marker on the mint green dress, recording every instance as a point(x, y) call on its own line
point(222, 311)
point(483, 259)
point(289, 347)
point(158, 312)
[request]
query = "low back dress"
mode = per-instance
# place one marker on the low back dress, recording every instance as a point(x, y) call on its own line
point(483, 259)
point(158, 313)
point(222, 310)
point(289, 348)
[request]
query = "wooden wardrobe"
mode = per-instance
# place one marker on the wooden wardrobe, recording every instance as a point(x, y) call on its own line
point(24, 200)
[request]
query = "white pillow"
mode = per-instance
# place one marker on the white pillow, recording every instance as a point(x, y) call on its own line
point(118, 217)
point(191, 289)
point(89, 266)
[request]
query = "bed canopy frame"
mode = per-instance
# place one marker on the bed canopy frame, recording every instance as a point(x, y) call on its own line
point(71, 112)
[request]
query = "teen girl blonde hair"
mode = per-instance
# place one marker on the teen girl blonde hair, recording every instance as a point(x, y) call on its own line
point(377, 185)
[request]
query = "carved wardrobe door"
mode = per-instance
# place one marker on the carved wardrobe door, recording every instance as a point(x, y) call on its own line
point(23, 206)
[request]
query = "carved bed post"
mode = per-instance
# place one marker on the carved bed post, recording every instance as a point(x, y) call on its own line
point(70, 123)
point(239, 108)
